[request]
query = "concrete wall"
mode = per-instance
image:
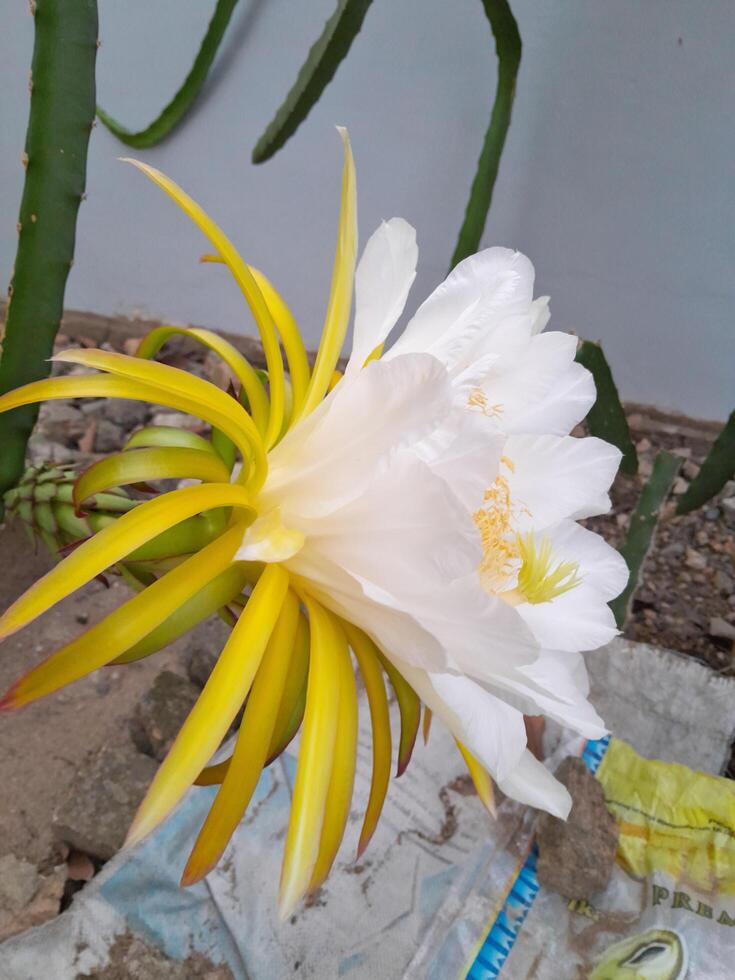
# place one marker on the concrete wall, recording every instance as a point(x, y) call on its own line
point(617, 180)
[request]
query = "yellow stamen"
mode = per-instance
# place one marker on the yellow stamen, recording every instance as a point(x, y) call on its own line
point(539, 579)
point(499, 549)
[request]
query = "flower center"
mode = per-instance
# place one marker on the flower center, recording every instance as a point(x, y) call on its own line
point(540, 579)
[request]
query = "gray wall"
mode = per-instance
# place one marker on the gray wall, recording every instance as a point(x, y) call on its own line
point(617, 178)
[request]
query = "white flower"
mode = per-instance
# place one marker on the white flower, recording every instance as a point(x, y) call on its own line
point(432, 496)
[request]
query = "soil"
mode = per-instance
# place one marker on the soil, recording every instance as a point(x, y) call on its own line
point(687, 584)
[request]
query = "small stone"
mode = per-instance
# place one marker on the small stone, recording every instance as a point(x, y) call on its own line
point(683, 451)
point(104, 794)
point(690, 469)
point(723, 582)
point(728, 505)
point(680, 486)
point(125, 413)
point(721, 628)
point(576, 856)
point(643, 445)
point(61, 422)
point(695, 560)
point(673, 550)
point(645, 468)
point(200, 664)
point(712, 514)
point(92, 406)
point(176, 419)
point(161, 712)
point(108, 437)
point(42, 450)
point(27, 898)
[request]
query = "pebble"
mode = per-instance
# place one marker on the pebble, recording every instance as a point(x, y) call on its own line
point(108, 437)
point(721, 628)
point(712, 513)
point(27, 898)
point(125, 412)
point(695, 560)
point(680, 486)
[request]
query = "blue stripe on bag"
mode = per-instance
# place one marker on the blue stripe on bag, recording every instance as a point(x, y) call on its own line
point(504, 931)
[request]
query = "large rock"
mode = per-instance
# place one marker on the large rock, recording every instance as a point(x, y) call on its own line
point(576, 856)
point(103, 796)
point(161, 712)
point(27, 898)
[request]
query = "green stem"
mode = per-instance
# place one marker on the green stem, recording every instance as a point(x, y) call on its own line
point(59, 124)
point(173, 113)
point(508, 47)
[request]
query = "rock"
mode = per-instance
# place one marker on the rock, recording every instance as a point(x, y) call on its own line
point(200, 663)
point(161, 712)
point(721, 628)
point(27, 898)
point(125, 413)
point(689, 469)
point(129, 958)
point(680, 486)
point(576, 856)
point(42, 450)
point(723, 582)
point(645, 467)
point(103, 797)
point(177, 420)
point(695, 560)
point(108, 437)
point(712, 513)
point(61, 422)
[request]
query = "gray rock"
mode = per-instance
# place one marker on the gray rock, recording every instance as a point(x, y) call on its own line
point(201, 662)
point(27, 898)
point(695, 560)
point(61, 422)
point(125, 413)
point(721, 628)
point(161, 712)
point(103, 797)
point(43, 450)
point(576, 856)
point(108, 437)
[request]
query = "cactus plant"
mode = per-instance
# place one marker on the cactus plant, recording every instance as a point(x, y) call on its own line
point(59, 124)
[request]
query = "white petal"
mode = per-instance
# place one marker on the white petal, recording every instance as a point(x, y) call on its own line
point(532, 783)
point(486, 297)
point(465, 452)
point(491, 729)
point(541, 314)
point(578, 620)
point(556, 477)
point(581, 618)
point(329, 458)
point(406, 532)
point(601, 566)
point(375, 612)
point(541, 390)
point(383, 279)
point(556, 685)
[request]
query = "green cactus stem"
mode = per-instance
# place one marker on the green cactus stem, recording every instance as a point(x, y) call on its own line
point(60, 121)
